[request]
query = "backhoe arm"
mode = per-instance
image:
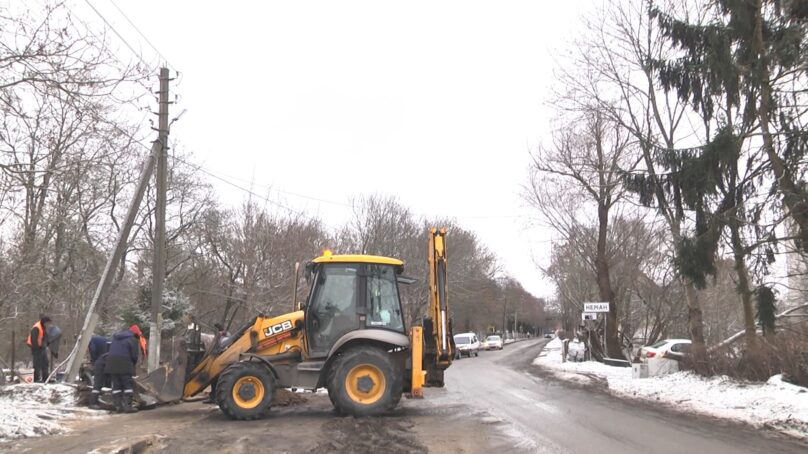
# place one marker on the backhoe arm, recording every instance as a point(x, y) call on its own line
point(433, 344)
point(438, 301)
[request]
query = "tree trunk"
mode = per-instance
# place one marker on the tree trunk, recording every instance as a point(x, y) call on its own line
point(743, 284)
point(695, 321)
point(696, 327)
point(605, 292)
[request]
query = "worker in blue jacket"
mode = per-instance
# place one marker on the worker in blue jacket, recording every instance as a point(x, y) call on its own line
point(120, 365)
point(98, 348)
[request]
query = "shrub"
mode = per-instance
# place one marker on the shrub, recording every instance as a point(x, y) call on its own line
point(785, 353)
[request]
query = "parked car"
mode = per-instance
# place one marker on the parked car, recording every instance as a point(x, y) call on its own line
point(467, 344)
point(549, 336)
point(667, 348)
point(493, 342)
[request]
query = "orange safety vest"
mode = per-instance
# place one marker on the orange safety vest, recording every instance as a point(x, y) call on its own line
point(143, 345)
point(40, 338)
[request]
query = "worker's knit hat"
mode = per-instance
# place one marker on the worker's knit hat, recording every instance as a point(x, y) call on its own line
point(135, 329)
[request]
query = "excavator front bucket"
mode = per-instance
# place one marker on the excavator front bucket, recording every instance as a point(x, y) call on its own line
point(164, 384)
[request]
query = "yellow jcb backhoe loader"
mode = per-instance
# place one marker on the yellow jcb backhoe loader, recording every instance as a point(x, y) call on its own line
point(349, 337)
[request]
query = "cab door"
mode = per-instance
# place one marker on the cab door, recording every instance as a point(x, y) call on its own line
point(382, 301)
point(332, 308)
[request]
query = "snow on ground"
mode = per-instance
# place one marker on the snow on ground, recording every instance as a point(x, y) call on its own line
point(31, 410)
point(510, 341)
point(775, 405)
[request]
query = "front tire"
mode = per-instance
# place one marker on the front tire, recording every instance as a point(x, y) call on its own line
point(245, 390)
point(365, 381)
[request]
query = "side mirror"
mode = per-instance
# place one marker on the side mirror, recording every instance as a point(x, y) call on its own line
point(309, 272)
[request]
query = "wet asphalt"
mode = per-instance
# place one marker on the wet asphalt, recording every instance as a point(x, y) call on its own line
point(543, 415)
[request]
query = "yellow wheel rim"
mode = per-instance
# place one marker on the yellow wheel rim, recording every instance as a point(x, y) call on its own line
point(365, 384)
point(248, 391)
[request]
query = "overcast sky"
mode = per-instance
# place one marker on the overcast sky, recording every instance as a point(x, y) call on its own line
point(437, 103)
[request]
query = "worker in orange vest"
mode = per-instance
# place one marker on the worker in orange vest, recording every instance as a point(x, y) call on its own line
point(37, 340)
point(143, 349)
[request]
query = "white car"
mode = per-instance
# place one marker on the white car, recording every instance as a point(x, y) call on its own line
point(467, 344)
point(493, 342)
point(668, 348)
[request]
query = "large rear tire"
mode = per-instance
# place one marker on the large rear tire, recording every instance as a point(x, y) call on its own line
point(365, 381)
point(245, 390)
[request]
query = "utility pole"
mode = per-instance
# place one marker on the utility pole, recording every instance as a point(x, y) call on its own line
point(13, 352)
point(515, 324)
point(505, 318)
point(159, 263)
point(113, 262)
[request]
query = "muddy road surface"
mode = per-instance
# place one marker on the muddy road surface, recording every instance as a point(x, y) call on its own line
point(496, 402)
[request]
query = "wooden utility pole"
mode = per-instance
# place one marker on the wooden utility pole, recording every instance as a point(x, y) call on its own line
point(13, 352)
point(101, 292)
point(113, 262)
point(505, 318)
point(159, 263)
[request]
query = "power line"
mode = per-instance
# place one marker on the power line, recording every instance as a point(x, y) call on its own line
point(341, 204)
point(116, 33)
point(270, 187)
point(142, 34)
point(248, 191)
point(222, 177)
point(226, 179)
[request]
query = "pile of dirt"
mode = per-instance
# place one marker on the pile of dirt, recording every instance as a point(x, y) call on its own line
point(393, 435)
point(286, 398)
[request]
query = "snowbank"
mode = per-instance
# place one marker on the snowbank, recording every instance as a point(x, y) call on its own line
point(30, 410)
point(511, 341)
point(775, 405)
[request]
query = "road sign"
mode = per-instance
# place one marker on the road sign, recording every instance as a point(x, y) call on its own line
point(596, 307)
point(589, 316)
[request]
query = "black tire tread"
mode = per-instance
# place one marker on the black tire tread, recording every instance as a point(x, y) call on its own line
point(225, 385)
point(375, 356)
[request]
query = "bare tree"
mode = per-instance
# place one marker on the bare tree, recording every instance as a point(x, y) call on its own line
point(65, 144)
point(612, 69)
point(383, 226)
point(582, 171)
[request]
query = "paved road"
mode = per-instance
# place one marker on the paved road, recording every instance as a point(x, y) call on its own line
point(493, 403)
point(546, 416)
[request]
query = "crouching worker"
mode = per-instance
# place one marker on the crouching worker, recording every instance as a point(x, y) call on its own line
point(99, 346)
point(120, 366)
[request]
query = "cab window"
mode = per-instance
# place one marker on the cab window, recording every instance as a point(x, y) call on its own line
point(332, 311)
point(383, 307)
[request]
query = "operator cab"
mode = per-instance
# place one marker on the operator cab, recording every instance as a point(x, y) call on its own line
point(349, 293)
